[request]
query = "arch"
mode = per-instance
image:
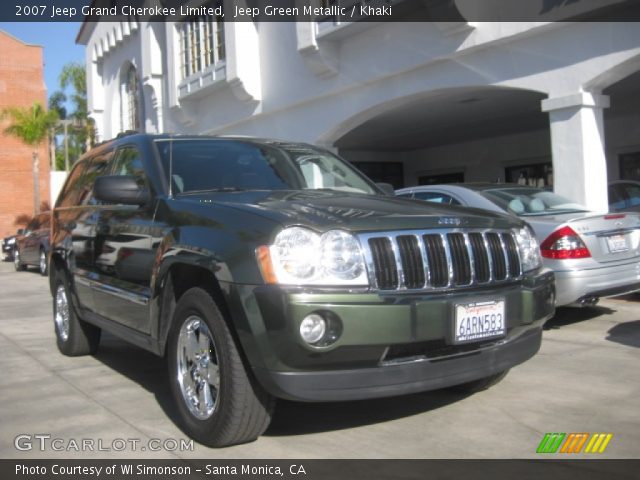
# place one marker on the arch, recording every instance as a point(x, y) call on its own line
point(437, 96)
point(613, 74)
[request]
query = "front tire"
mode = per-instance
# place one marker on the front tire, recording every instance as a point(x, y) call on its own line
point(219, 404)
point(74, 336)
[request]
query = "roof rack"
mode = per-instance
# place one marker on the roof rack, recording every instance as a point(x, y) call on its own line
point(126, 133)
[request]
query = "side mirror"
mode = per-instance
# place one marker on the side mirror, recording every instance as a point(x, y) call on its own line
point(123, 189)
point(20, 231)
point(386, 188)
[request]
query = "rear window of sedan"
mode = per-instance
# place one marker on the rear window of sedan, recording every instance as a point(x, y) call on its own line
point(531, 201)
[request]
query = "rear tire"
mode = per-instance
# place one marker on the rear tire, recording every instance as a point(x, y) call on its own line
point(17, 263)
point(219, 403)
point(480, 384)
point(74, 336)
point(43, 267)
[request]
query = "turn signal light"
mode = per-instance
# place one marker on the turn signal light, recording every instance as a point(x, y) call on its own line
point(564, 243)
point(266, 266)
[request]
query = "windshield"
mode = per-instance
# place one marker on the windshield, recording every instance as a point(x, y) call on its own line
point(227, 165)
point(526, 202)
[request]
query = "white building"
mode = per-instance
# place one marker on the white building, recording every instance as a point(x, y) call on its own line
point(406, 102)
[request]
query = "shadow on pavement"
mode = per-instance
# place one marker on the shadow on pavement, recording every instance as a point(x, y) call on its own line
point(627, 333)
point(291, 418)
point(569, 315)
point(629, 297)
point(146, 369)
point(295, 418)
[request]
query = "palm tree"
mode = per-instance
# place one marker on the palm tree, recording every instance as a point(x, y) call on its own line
point(31, 125)
point(74, 75)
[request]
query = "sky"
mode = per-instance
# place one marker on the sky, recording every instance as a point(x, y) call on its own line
point(58, 40)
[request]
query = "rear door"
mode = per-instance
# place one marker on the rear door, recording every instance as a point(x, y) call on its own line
point(125, 251)
point(29, 243)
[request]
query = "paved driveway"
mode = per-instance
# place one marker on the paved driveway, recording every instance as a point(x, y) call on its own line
point(586, 378)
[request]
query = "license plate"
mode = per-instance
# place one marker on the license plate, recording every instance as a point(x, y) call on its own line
point(617, 243)
point(479, 320)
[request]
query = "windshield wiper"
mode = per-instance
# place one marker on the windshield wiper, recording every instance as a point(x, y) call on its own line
point(213, 190)
point(339, 190)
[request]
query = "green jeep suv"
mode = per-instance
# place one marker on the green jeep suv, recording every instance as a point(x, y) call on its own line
point(266, 269)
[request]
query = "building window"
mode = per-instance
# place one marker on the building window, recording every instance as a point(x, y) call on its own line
point(201, 43)
point(130, 96)
point(132, 99)
point(534, 175)
point(630, 166)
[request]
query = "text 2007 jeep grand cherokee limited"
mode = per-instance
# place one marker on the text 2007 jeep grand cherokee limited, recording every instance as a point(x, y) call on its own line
point(266, 269)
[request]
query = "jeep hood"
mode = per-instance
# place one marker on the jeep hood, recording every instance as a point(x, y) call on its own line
point(325, 210)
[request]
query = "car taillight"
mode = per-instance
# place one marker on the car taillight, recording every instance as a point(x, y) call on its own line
point(564, 243)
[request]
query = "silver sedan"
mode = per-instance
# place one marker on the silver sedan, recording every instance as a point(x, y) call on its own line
point(593, 255)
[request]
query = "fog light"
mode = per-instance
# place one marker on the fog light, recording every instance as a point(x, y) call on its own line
point(313, 328)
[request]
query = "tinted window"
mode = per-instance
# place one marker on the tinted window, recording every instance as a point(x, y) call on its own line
point(230, 165)
point(128, 161)
point(97, 167)
point(69, 194)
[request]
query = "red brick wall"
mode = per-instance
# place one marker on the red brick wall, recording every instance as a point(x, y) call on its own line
point(21, 84)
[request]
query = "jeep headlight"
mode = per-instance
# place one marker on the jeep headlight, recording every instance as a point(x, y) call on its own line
point(528, 248)
point(340, 255)
point(299, 256)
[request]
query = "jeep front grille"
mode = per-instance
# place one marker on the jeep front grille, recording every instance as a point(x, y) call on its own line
point(419, 260)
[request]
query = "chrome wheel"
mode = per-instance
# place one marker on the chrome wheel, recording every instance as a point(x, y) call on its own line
point(197, 368)
point(43, 262)
point(62, 313)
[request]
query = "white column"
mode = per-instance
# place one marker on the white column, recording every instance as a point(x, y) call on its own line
point(577, 146)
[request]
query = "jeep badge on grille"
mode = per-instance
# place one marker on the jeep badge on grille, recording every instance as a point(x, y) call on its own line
point(450, 221)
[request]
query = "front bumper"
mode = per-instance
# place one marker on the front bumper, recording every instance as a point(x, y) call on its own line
point(7, 249)
point(401, 379)
point(574, 285)
point(390, 344)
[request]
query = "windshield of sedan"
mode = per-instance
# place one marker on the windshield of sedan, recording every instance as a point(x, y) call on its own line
point(232, 165)
point(525, 201)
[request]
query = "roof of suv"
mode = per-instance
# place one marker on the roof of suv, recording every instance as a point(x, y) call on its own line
point(166, 136)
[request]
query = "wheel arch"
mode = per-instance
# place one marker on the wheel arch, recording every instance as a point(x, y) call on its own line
point(176, 279)
point(56, 264)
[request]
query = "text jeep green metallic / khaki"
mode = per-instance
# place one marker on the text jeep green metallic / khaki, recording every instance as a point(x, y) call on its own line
point(266, 269)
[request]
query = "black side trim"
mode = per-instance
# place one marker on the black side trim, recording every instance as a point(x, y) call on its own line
point(127, 334)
